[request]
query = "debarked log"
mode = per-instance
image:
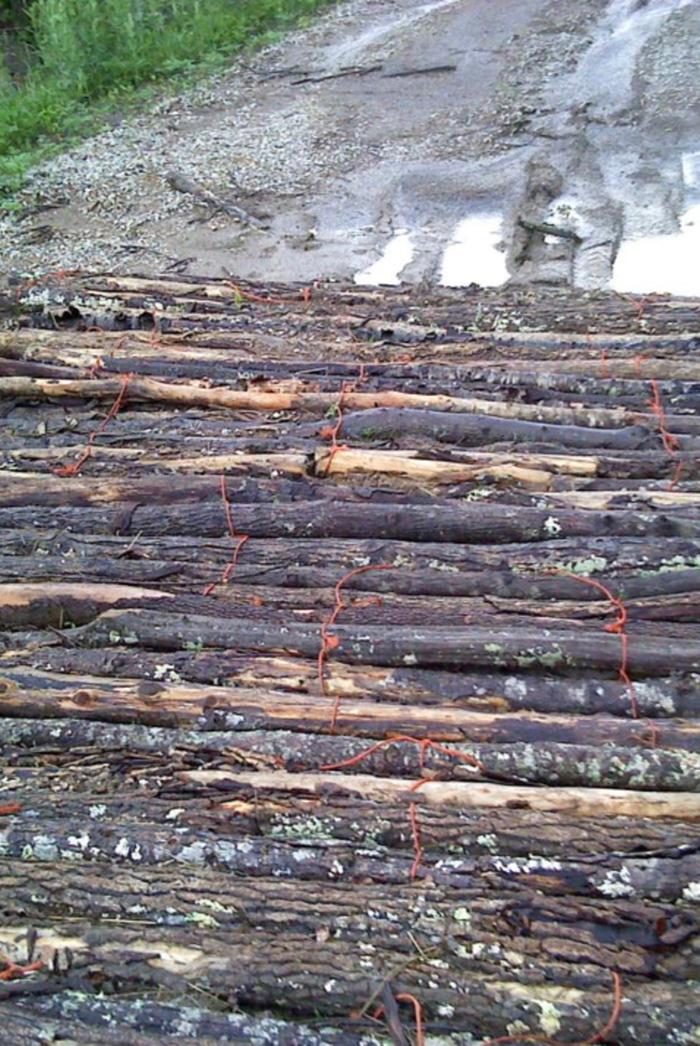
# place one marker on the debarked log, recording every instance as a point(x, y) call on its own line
point(584, 802)
point(242, 709)
point(72, 669)
point(143, 389)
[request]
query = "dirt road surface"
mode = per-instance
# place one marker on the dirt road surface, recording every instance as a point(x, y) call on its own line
point(450, 141)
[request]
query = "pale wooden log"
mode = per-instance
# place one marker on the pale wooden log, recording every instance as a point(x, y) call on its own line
point(616, 367)
point(190, 394)
point(599, 500)
point(583, 802)
point(289, 463)
point(77, 354)
point(242, 708)
point(533, 471)
point(28, 603)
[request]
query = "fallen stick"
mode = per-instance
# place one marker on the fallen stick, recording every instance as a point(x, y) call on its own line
point(190, 394)
point(182, 184)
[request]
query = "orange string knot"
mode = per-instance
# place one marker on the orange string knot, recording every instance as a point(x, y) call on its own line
point(74, 468)
point(330, 642)
point(238, 539)
point(617, 627)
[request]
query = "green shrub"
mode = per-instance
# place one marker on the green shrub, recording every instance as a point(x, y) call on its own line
point(86, 51)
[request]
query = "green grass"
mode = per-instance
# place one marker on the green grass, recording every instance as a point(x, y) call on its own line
point(91, 56)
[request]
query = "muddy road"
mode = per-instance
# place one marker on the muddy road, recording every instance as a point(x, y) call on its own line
point(450, 141)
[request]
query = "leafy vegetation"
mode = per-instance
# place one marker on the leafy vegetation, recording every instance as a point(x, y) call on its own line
point(86, 56)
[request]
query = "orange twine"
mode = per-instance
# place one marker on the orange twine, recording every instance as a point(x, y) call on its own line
point(240, 540)
point(75, 467)
point(599, 1036)
point(330, 642)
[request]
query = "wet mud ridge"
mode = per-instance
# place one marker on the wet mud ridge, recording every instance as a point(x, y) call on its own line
point(350, 664)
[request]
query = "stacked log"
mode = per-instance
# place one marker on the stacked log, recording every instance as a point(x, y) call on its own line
point(349, 666)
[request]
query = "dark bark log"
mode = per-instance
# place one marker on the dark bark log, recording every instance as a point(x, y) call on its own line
point(63, 603)
point(486, 825)
point(529, 571)
point(292, 973)
point(557, 650)
point(381, 914)
point(304, 846)
point(465, 523)
point(339, 819)
point(86, 1018)
point(551, 764)
point(480, 429)
point(31, 489)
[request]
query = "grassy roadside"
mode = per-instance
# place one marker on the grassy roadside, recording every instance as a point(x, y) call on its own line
point(92, 56)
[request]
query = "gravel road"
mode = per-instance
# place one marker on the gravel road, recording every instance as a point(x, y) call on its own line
point(454, 140)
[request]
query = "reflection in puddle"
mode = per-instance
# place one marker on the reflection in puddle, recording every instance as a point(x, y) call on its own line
point(690, 163)
point(387, 271)
point(660, 264)
point(473, 255)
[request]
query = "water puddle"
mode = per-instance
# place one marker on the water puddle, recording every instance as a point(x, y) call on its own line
point(690, 163)
point(661, 264)
point(473, 256)
point(671, 262)
point(386, 272)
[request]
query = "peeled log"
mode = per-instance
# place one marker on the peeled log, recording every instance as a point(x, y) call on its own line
point(243, 709)
point(580, 802)
point(73, 669)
